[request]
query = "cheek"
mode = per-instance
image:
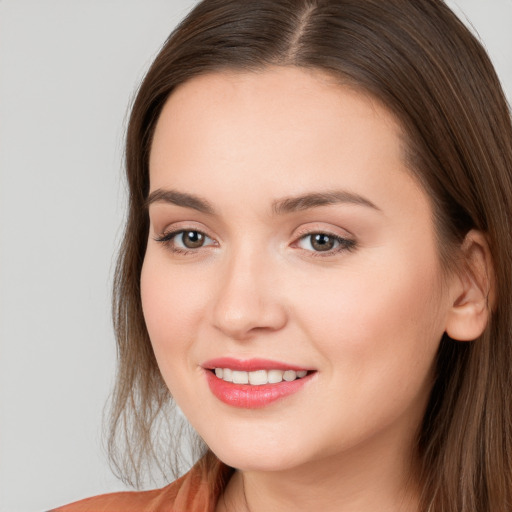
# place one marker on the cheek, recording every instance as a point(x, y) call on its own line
point(173, 303)
point(378, 330)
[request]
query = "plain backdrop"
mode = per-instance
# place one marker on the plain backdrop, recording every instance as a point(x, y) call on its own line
point(68, 69)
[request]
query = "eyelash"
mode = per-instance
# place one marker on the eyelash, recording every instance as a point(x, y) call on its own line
point(168, 238)
point(344, 244)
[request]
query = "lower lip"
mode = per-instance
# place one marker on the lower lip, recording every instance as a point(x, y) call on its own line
point(246, 396)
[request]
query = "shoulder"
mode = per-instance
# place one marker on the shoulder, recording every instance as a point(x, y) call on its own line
point(196, 491)
point(158, 500)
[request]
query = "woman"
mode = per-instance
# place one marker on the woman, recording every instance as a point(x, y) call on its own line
point(317, 262)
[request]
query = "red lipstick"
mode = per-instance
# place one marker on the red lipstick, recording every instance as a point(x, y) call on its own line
point(248, 396)
point(249, 365)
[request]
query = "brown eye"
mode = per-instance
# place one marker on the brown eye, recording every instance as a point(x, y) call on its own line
point(184, 240)
point(325, 243)
point(192, 239)
point(322, 242)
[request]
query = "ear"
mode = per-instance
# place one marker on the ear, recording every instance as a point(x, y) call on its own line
point(473, 290)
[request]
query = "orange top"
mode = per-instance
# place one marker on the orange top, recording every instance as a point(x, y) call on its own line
point(196, 491)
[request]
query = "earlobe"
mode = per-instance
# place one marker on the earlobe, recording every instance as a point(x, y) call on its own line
point(473, 290)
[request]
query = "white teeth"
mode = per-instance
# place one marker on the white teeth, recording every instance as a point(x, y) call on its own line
point(259, 377)
point(289, 375)
point(240, 377)
point(275, 376)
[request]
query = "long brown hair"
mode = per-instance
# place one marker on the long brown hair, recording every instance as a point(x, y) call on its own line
point(420, 61)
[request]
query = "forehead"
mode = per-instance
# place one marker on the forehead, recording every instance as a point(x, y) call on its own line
point(289, 99)
point(277, 132)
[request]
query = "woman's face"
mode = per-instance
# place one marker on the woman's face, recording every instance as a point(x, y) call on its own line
point(288, 236)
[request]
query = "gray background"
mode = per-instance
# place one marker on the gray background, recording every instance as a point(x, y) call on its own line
point(68, 69)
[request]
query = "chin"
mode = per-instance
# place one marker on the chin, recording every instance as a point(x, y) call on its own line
point(265, 457)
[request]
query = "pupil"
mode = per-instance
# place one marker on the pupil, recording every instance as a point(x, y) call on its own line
point(322, 242)
point(193, 239)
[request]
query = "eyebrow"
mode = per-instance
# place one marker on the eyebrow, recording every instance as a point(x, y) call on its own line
point(180, 199)
point(279, 207)
point(316, 199)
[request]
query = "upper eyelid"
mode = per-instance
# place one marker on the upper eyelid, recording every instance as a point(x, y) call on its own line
point(315, 228)
point(339, 238)
point(176, 227)
point(295, 235)
point(171, 233)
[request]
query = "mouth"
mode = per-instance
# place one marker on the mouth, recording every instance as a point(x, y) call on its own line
point(258, 377)
point(254, 383)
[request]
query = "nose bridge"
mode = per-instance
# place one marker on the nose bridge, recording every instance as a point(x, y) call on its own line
point(247, 298)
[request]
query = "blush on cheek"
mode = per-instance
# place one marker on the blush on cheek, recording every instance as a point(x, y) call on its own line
point(371, 321)
point(172, 305)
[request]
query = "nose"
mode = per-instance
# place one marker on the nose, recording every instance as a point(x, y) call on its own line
point(248, 299)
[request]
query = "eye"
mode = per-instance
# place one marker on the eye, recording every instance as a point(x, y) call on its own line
point(185, 240)
point(190, 239)
point(324, 242)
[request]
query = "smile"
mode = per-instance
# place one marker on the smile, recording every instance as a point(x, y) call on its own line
point(254, 383)
point(258, 377)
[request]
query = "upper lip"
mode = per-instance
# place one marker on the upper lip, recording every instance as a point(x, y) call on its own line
point(250, 365)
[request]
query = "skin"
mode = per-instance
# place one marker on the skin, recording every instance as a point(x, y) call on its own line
point(368, 319)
